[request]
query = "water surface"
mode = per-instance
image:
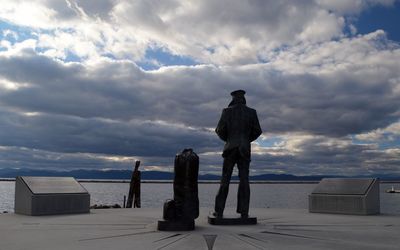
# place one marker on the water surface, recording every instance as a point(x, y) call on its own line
point(153, 195)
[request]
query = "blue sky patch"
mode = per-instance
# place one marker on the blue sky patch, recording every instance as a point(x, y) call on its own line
point(158, 57)
point(380, 17)
point(23, 33)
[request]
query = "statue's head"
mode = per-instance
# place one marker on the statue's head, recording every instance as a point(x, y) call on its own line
point(238, 97)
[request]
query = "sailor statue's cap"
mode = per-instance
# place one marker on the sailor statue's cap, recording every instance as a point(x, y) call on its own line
point(238, 93)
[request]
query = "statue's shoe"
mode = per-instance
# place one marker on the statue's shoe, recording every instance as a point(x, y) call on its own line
point(217, 215)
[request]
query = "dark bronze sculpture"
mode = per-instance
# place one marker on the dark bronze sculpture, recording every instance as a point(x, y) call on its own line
point(238, 127)
point(179, 213)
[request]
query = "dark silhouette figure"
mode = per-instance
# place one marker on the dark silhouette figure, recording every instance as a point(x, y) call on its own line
point(238, 127)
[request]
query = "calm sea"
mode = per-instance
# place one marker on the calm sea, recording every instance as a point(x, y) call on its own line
point(154, 194)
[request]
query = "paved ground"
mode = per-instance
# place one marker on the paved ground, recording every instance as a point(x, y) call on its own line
point(136, 229)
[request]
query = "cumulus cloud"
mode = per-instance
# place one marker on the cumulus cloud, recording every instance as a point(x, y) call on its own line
point(352, 7)
point(287, 101)
point(305, 155)
point(219, 32)
point(72, 92)
point(73, 135)
point(390, 133)
point(116, 108)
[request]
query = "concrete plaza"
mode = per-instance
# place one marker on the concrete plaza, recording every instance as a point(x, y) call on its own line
point(110, 229)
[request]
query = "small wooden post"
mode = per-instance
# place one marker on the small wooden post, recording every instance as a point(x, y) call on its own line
point(134, 187)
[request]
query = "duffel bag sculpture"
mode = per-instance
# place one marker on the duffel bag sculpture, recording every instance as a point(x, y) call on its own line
point(179, 214)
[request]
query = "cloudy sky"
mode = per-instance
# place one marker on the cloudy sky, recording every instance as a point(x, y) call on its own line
point(99, 84)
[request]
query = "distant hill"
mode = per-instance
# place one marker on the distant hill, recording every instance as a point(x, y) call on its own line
point(159, 175)
point(87, 174)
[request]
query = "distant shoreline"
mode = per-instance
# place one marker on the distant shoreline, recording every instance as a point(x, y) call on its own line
point(202, 181)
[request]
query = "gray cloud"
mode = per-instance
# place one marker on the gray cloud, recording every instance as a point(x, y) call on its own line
point(114, 108)
point(307, 155)
point(220, 32)
point(335, 104)
point(300, 155)
point(311, 91)
point(68, 134)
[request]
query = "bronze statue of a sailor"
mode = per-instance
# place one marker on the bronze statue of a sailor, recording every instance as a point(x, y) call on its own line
point(238, 127)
